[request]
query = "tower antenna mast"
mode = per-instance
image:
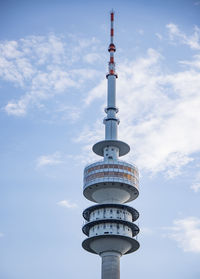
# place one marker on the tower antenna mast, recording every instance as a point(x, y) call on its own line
point(109, 225)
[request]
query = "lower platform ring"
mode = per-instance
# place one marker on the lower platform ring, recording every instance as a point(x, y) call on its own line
point(90, 190)
point(134, 243)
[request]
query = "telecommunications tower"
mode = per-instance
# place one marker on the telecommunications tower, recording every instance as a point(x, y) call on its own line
point(110, 183)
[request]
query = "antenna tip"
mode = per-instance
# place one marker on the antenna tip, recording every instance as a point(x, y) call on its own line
point(112, 11)
point(112, 15)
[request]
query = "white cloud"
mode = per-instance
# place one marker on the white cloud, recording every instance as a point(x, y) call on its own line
point(159, 113)
point(44, 66)
point(196, 183)
point(186, 232)
point(43, 48)
point(192, 41)
point(96, 92)
point(91, 58)
point(71, 113)
point(159, 110)
point(159, 36)
point(141, 31)
point(1, 234)
point(10, 49)
point(68, 204)
point(18, 108)
point(194, 63)
point(83, 74)
point(88, 136)
point(146, 231)
point(49, 160)
point(195, 187)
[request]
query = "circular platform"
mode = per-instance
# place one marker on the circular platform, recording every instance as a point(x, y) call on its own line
point(116, 192)
point(134, 228)
point(98, 148)
point(102, 243)
point(131, 210)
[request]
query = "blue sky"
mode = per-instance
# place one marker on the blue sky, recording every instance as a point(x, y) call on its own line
point(53, 61)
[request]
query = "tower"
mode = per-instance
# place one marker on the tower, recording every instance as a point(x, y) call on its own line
point(110, 183)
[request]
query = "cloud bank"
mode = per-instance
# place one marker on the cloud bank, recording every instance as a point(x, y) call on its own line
point(159, 109)
point(67, 204)
point(49, 160)
point(186, 232)
point(44, 66)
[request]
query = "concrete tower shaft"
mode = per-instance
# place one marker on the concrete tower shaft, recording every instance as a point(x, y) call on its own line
point(110, 265)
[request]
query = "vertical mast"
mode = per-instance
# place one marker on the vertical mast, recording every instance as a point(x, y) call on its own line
point(111, 122)
point(112, 48)
point(111, 148)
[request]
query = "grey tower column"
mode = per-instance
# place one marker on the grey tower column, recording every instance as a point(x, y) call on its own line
point(110, 268)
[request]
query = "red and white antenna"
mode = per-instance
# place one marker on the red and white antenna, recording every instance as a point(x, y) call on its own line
point(112, 48)
point(112, 26)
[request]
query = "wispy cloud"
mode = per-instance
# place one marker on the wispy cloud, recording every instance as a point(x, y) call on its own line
point(159, 109)
point(140, 31)
point(49, 160)
point(195, 187)
point(1, 234)
point(67, 204)
point(159, 112)
point(194, 63)
point(71, 113)
point(186, 232)
point(192, 41)
point(197, 3)
point(196, 183)
point(159, 36)
point(18, 108)
point(91, 57)
point(147, 230)
point(44, 66)
point(96, 92)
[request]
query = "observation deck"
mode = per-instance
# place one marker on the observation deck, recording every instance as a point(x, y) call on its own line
point(117, 181)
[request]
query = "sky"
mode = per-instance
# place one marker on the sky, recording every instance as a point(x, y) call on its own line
point(53, 63)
